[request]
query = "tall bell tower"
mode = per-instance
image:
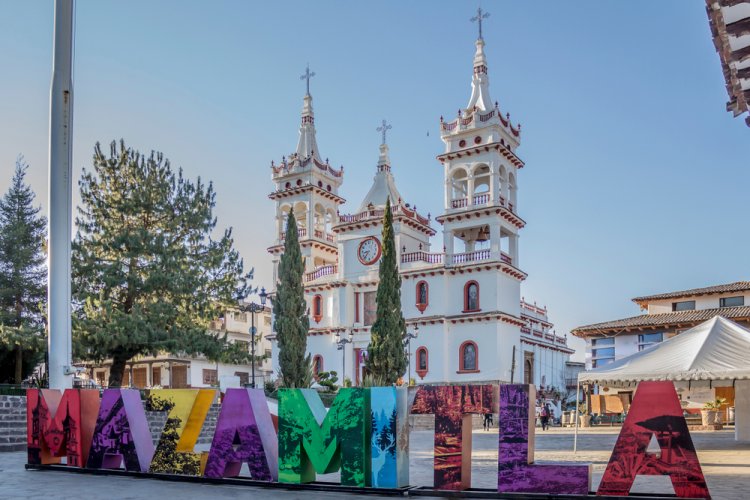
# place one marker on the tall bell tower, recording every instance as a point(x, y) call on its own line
point(309, 185)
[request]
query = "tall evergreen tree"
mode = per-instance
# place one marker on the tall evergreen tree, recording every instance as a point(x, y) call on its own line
point(386, 359)
point(291, 320)
point(23, 279)
point(147, 274)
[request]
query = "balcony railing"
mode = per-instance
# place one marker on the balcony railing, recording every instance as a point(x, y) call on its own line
point(430, 258)
point(481, 199)
point(459, 203)
point(321, 271)
point(322, 235)
point(477, 255)
point(301, 232)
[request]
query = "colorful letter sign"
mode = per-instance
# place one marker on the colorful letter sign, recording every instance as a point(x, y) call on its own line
point(121, 433)
point(389, 437)
point(60, 425)
point(187, 410)
point(311, 440)
point(244, 434)
point(452, 406)
point(656, 412)
point(515, 472)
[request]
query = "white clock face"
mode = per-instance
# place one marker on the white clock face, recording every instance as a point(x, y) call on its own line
point(369, 251)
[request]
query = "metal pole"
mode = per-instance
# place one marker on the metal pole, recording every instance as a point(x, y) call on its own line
point(575, 433)
point(252, 344)
point(343, 362)
point(60, 204)
point(408, 382)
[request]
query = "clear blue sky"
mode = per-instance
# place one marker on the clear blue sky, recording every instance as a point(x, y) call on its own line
point(636, 179)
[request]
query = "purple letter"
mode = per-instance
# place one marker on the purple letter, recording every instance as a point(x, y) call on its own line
point(121, 433)
point(246, 422)
point(515, 472)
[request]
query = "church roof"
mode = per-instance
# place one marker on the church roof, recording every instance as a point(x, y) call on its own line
point(383, 184)
point(307, 145)
point(480, 85)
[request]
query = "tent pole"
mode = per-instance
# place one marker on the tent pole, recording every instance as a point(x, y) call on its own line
point(575, 433)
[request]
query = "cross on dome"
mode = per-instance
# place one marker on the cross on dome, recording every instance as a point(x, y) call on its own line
point(385, 127)
point(478, 18)
point(308, 74)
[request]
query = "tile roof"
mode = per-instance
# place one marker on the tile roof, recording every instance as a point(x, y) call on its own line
point(729, 287)
point(688, 318)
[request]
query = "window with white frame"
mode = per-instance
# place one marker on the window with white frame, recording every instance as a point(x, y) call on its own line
point(602, 351)
point(732, 301)
point(647, 340)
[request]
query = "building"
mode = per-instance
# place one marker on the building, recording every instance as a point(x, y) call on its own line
point(546, 355)
point(462, 292)
point(730, 28)
point(178, 372)
point(667, 314)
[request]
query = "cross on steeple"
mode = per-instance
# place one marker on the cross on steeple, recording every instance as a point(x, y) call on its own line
point(384, 128)
point(478, 18)
point(308, 74)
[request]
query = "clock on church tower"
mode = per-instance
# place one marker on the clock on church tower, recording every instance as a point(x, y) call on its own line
point(369, 251)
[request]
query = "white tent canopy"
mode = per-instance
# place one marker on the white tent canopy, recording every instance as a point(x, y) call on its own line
point(718, 349)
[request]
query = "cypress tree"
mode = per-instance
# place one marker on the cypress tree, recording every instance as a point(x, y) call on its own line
point(23, 279)
point(386, 359)
point(148, 276)
point(291, 321)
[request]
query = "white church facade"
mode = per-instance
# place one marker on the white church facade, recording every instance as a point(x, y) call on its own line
point(461, 273)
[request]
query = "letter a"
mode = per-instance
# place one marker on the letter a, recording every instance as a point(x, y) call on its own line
point(656, 412)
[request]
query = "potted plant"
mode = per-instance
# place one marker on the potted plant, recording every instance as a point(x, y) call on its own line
point(710, 412)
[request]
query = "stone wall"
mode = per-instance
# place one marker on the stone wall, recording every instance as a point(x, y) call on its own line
point(12, 423)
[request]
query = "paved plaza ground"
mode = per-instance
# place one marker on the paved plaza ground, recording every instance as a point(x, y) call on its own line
point(726, 465)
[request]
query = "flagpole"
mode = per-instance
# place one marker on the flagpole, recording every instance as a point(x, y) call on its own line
point(60, 204)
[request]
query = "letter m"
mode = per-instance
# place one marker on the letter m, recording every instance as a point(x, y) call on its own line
point(60, 425)
point(312, 441)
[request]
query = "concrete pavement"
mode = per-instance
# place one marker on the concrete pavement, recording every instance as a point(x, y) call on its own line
point(726, 465)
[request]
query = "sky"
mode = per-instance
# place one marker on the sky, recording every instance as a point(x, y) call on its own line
point(635, 179)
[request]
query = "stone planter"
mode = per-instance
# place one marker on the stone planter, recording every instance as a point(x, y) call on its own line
point(708, 417)
point(584, 420)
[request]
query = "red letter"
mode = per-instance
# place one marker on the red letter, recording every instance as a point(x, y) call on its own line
point(452, 407)
point(656, 412)
point(60, 425)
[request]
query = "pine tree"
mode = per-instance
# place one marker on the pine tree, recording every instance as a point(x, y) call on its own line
point(386, 359)
point(23, 279)
point(147, 274)
point(291, 320)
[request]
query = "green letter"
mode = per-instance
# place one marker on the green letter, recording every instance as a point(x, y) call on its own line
point(312, 441)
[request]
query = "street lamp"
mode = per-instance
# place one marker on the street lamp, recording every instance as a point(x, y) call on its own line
point(253, 308)
point(407, 340)
point(341, 346)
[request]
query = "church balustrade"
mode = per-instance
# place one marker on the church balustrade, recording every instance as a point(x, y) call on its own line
point(459, 203)
point(322, 235)
point(481, 199)
point(301, 232)
point(326, 270)
point(478, 255)
point(430, 258)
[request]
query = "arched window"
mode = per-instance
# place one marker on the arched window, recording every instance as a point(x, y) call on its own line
point(471, 296)
point(528, 372)
point(317, 308)
point(468, 357)
point(422, 361)
point(317, 365)
point(423, 295)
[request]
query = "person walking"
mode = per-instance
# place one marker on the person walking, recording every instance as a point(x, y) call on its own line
point(487, 421)
point(545, 417)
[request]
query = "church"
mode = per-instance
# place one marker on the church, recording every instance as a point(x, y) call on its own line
point(461, 289)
